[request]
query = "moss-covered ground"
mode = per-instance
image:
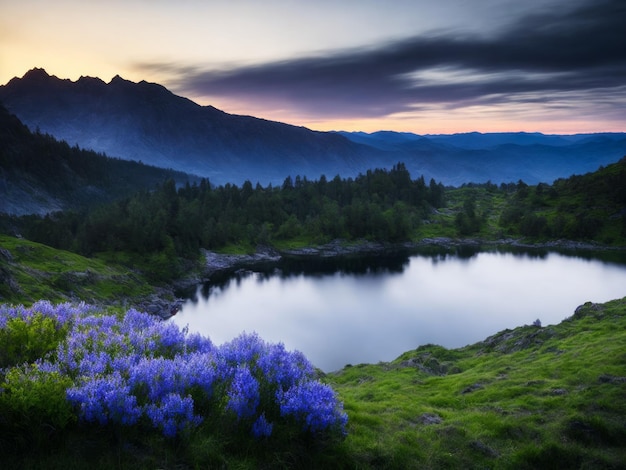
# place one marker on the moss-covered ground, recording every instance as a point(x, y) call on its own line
point(31, 271)
point(532, 397)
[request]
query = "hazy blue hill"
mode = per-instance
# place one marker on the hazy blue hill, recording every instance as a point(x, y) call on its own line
point(499, 157)
point(39, 174)
point(477, 140)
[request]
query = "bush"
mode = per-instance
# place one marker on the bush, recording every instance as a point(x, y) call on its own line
point(33, 405)
point(141, 371)
point(28, 334)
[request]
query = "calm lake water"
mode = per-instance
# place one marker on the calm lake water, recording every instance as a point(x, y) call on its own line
point(352, 311)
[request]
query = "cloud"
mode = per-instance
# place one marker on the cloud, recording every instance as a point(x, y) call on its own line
point(543, 56)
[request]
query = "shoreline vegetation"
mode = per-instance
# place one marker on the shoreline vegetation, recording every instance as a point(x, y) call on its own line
point(167, 240)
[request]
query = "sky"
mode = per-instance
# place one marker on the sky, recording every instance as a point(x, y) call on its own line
point(422, 66)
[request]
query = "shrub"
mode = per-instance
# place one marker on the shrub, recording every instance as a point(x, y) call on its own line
point(28, 334)
point(33, 405)
point(139, 370)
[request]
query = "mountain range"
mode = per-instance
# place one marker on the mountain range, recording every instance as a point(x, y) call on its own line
point(148, 123)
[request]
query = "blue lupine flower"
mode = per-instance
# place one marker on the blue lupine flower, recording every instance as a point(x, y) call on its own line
point(198, 343)
point(173, 414)
point(105, 399)
point(138, 365)
point(244, 349)
point(243, 396)
point(261, 427)
point(283, 368)
point(198, 370)
point(315, 404)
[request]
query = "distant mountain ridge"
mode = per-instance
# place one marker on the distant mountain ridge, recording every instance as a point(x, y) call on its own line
point(145, 121)
point(500, 157)
point(479, 140)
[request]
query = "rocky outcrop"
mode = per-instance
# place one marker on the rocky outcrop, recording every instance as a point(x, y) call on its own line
point(510, 341)
point(341, 248)
point(8, 284)
point(216, 262)
point(224, 263)
point(160, 306)
point(6, 255)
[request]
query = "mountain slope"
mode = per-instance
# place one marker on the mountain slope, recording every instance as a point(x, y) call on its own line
point(144, 121)
point(39, 174)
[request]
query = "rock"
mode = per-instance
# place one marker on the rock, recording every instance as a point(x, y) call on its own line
point(589, 309)
point(483, 449)
point(611, 379)
point(472, 388)
point(425, 363)
point(510, 341)
point(162, 308)
point(430, 418)
point(6, 254)
point(340, 248)
point(216, 262)
point(7, 280)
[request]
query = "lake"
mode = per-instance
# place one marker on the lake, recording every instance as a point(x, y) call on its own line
point(371, 309)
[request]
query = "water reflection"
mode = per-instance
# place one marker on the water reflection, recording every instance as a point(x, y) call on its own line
point(358, 310)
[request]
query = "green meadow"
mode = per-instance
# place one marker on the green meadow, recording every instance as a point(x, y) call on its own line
point(532, 397)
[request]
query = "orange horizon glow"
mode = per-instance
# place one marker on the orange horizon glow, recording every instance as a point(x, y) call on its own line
point(456, 122)
point(433, 122)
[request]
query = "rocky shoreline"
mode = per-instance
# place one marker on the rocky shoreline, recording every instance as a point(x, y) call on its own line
point(165, 304)
point(215, 262)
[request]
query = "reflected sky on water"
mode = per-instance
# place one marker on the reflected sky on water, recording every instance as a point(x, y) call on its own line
point(374, 309)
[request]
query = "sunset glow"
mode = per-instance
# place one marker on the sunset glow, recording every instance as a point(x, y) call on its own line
point(444, 66)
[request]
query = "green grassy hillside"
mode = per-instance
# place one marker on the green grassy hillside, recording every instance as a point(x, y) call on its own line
point(31, 271)
point(532, 397)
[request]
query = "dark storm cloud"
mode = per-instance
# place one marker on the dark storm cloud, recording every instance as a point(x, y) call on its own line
point(581, 52)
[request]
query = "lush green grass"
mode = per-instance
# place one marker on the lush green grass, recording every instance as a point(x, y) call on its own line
point(32, 271)
point(551, 397)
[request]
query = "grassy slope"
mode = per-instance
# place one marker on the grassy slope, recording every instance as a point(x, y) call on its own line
point(33, 271)
point(552, 397)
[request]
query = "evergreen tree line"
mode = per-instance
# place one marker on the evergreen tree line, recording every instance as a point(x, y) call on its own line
point(581, 207)
point(384, 205)
point(170, 222)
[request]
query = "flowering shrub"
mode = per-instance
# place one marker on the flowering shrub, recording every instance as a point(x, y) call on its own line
point(138, 370)
point(105, 399)
point(28, 334)
point(314, 404)
point(243, 396)
point(32, 399)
